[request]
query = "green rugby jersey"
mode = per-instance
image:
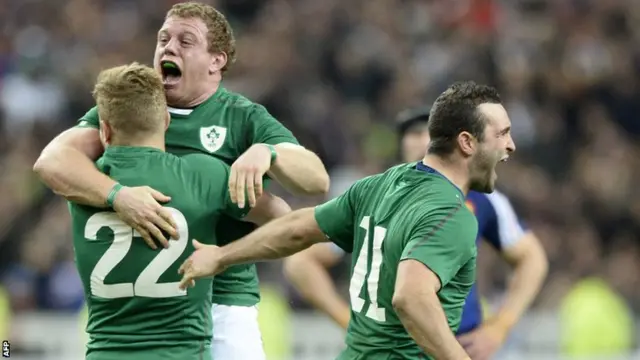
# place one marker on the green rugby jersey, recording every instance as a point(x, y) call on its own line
point(404, 213)
point(224, 126)
point(135, 308)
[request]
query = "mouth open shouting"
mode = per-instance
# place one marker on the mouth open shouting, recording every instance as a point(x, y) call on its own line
point(171, 73)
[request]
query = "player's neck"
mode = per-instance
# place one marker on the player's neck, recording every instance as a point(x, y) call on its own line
point(455, 172)
point(155, 142)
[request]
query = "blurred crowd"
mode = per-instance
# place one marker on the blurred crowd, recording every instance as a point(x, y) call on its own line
point(336, 72)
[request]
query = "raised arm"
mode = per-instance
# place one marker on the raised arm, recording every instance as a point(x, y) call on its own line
point(299, 171)
point(308, 272)
point(276, 152)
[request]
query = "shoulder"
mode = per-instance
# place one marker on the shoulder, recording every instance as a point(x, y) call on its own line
point(241, 104)
point(90, 118)
point(447, 205)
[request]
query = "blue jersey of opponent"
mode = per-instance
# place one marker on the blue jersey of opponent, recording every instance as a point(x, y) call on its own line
point(499, 225)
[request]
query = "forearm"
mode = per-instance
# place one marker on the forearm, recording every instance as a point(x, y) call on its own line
point(299, 171)
point(277, 239)
point(71, 174)
point(313, 282)
point(425, 320)
point(528, 275)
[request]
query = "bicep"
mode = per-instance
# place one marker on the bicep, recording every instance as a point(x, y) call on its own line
point(83, 139)
point(413, 275)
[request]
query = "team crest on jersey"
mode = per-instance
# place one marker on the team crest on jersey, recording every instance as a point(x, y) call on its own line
point(470, 206)
point(212, 137)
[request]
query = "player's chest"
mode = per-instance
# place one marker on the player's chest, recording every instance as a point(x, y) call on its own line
point(211, 135)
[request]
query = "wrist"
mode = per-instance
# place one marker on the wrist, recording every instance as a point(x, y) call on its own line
point(111, 196)
point(503, 321)
point(273, 152)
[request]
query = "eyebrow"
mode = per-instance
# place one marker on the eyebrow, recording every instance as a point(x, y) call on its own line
point(505, 130)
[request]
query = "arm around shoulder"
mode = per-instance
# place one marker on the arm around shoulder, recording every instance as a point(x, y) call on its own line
point(66, 166)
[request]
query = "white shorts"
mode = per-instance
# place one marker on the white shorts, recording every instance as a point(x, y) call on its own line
point(236, 334)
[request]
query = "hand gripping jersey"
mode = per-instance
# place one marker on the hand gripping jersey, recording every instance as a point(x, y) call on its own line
point(224, 127)
point(135, 308)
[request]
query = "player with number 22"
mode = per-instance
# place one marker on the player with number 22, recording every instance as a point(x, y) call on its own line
point(136, 310)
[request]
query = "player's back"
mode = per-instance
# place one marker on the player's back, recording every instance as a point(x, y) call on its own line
point(136, 309)
point(393, 209)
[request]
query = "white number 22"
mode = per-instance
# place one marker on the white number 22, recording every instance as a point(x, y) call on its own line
point(146, 284)
point(360, 273)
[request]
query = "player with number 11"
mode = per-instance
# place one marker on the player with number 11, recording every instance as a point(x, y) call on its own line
point(410, 233)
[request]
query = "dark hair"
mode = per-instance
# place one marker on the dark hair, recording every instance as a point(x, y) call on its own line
point(455, 111)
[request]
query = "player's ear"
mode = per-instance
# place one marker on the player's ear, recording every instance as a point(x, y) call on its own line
point(105, 133)
point(467, 143)
point(218, 61)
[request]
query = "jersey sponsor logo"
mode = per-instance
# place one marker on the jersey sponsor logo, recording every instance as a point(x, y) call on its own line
point(470, 206)
point(212, 137)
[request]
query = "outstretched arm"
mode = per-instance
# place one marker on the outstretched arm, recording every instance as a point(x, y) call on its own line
point(281, 237)
point(308, 272)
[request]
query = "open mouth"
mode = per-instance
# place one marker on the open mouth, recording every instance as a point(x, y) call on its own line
point(171, 73)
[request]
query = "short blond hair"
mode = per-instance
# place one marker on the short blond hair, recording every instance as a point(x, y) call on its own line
point(219, 33)
point(131, 99)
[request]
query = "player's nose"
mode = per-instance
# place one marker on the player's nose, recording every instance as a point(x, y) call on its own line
point(511, 145)
point(171, 47)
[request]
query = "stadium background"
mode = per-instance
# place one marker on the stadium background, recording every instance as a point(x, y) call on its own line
point(335, 72)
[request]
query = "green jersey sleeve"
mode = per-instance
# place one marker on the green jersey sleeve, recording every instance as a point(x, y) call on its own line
point(444, 241)
point(336, 217)
point(213, 175)
point(266, 129)
point(90, 119)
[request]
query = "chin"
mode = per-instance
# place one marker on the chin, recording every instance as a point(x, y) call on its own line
point(173, 95)
point(485, 186)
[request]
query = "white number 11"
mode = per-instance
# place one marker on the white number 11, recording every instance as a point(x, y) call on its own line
point(360, 273)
